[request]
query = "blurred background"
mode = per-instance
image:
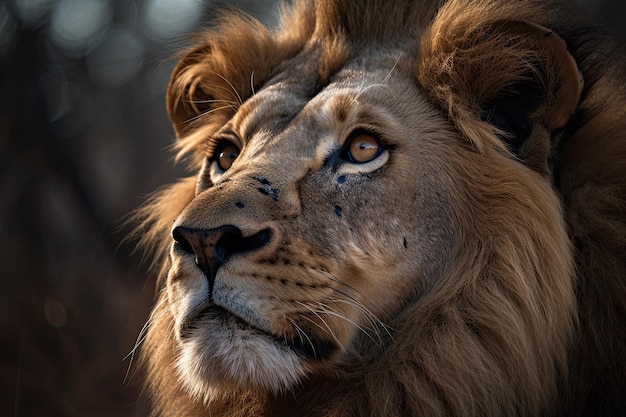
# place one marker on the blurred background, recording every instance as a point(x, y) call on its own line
point(83, 141)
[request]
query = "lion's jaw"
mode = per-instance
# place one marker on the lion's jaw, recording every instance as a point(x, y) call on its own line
point(315, 293)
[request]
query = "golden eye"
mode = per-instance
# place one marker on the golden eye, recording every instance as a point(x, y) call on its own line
point(362, 148)
point(227, 155)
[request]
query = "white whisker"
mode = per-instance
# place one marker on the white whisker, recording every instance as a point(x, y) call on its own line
point(302, 333)
point(229, 102)
point(392, 69)
point(366, 331)
point(348, 296)
point(381, 84)
point(234, 90)
point(328, 329)
point(374, 322)
point(143, 333)
point(209, 112)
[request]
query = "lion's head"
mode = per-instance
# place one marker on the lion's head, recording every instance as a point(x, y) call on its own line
point(372, 224)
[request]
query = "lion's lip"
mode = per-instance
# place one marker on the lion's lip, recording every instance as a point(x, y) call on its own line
point(305, 346)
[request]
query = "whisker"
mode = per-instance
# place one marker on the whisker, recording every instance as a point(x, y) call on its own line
point(239, 100)
point(328, 329)
point(230, 102)
point(343, 284)
point(302, 333)
point(356, 98)
point(335, 280)
point(361, 87)
point(196, 117)
point(375, 322)
point(381, 84)
point(143, 334)
point(392, 69)
point(332, 312)
point(299, 331)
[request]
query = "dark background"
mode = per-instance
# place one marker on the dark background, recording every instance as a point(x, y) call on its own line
point(83, 140)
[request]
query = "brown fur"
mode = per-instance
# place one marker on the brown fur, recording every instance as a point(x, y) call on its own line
point(458, 275)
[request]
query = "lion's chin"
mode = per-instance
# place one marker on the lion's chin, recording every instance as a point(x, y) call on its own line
point(222, 353)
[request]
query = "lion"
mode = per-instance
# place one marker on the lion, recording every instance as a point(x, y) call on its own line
point(399, 208)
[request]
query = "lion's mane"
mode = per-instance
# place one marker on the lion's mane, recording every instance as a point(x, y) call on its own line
point(529, 317)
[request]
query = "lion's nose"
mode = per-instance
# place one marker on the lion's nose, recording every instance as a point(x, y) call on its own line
point(213, 247)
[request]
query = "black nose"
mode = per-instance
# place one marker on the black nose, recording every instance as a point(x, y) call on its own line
point(213, 247)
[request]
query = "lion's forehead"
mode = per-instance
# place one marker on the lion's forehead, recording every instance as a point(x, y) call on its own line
point(285, 118)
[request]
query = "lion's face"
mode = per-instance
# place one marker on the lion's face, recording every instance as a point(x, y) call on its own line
point(371, 205)
point(314, 221)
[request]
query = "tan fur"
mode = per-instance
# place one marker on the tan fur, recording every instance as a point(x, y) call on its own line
point(455, 274)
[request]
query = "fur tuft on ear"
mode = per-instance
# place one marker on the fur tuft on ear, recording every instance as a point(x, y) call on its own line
point(224, 68)
point(502, 81)
point(217, 74)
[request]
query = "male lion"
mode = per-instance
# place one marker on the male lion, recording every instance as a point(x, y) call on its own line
point(397, 208)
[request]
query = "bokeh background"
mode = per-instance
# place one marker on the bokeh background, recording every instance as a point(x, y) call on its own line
point(83, 141)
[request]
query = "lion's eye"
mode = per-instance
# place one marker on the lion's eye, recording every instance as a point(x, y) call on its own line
point(227, 155)
point(362, 148)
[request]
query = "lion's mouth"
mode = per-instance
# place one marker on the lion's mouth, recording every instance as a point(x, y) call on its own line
point(306, 346)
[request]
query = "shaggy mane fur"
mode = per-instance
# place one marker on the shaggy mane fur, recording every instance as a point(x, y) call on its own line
point(554, 346)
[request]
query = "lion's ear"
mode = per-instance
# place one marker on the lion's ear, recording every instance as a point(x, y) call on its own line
point(223, 70)
point(507, 83)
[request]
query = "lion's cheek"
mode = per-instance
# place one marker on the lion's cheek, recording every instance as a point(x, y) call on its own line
point(390, 269)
